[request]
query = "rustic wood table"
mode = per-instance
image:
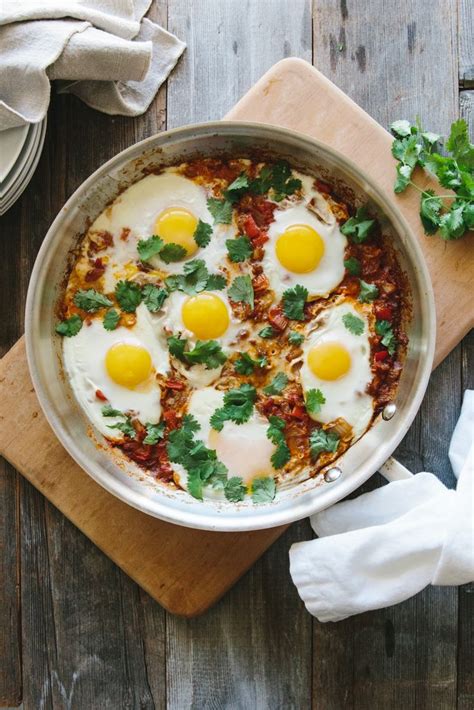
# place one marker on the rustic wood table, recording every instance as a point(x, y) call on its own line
point(76, 632)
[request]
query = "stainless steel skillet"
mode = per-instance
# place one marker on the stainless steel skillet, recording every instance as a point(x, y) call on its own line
point(117, 475)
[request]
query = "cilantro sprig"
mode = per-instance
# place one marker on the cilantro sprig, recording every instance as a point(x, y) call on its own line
point(277, 385)
point(359, 227)
point(321, 441)
point(221, 210)
point(294, 300)
point(154, 297)
point(384, 328)
point(277, 179)
point(275, 433)
point(245, 364)
point(241, 290)
point(368, 292)
point(237, 407)
point(195, 278)
point(267, 332)
point(70, 326)
point(205, 352)
point(128, 295)
point(263, 490)
point(239, 249)
point(450, 215)
point(155, 246)
point(314, 401)
point(353, 324)
point(124, 425)
point(91, 300)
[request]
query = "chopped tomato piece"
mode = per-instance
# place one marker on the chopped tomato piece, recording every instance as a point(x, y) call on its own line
point(298, 412)
point(260, 283)
point(277, 319)
point(100, 395)
point(171, 418)
point(174, 385)
point(384, 312)
point(251, 229)
point(381, 355)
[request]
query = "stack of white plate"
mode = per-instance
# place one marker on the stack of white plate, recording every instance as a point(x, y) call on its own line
point(20, 150)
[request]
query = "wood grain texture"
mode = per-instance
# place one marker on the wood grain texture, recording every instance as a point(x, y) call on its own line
point(466, 44)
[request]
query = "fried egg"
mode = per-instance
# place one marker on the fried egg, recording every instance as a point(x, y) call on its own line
point(337, 362)
point(233, 443)
point(303, 249)
point(168, 205)
point(121, 364)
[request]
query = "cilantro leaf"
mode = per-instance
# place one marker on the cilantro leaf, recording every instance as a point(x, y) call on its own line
point(401, 128)
point(384, 328)
point(295, 338)
point(234, 489)
point(236, 189)
point(353, 324)
point(154, 297)
point(359, 227)
point(277, 178)
point(321, 440)
point(111, 319)
point(216, 282)
point(353, 266)
point(451, 224)
point(172, 252)
point(154, 432)
point(275, 433)
point(314, 401)
point(148, 248)
point(263, 490)
point(459, 144)
point(430, 207)
point(190, 424)
point(267, 332)
point(203, 234)
point(239, 249)
point(221, 210)
point(69, 327)
point(238, 406)
point(277, 385)
point(241, 290)
point(367, 291)
point(294, 300)
point(128, 295)
point(126, 427)
point(193, 279)
point(245, 365)
point(91, 300)
point(205, 352)
point(108, 411)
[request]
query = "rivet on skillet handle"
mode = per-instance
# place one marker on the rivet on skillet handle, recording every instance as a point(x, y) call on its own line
point(389, 411)
point(332, 474)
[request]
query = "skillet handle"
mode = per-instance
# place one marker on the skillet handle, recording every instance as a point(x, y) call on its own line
point(392, 470)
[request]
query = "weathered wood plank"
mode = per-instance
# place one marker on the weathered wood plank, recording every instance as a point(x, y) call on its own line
point(466, 592)
point(254, 648)
point(466, 44)
point(88, 641)
point(386, 57)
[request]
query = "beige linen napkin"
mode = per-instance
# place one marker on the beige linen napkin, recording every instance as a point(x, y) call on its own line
point(104, 51)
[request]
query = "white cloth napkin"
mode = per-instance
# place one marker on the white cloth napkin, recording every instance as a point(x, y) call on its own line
point(105, 52)
point(387, 545)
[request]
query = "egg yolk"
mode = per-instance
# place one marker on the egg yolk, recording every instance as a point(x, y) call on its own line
point(127, 364)
point(299, 249)
point(205, 315)
point(329, 361)
point(176, 225)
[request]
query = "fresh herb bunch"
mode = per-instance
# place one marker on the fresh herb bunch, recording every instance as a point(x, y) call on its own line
point(451, 215)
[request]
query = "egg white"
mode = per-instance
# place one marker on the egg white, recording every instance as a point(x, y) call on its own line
point(137, 209)
point(346, 397)
point(329, 272)
point(84, 362)
point(243, 448)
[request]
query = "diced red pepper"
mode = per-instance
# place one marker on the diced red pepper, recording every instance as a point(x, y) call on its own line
point(100, 395)
point(298, 412)
point(250, 226)
point(260, 283)
point(381, 355)
point(174, 385)
point(261, 239)
point(277, 319)
point(384, 312)
point(171, 418)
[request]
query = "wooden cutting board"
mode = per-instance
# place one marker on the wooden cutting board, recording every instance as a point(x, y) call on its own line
point(184, 570)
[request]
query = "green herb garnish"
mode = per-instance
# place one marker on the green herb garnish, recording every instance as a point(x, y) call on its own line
point(239, 249)
point(172, 252)
point(221, 210)
point(154, 433)
point(314, 401)
point(359, 227)
point(154, 297)
point(111, 319)
point(263, 490)
point(69, 327)
point(275, 433)
point(277, 385)
point(241, 290)
point(205, 352)
point(384, 328)
point(294, 300)
point(234, 489)
point(194, 279)
point(267, 332)
point(321, 440)
point(203, 234)
point(353, 266)
point(295, 338)
point(148, 248)
point(278, 178)
point(238, 406)
point(367, 291)
point(128, 295)
point(91, 300)
point(353, 324)
point(245, 364)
